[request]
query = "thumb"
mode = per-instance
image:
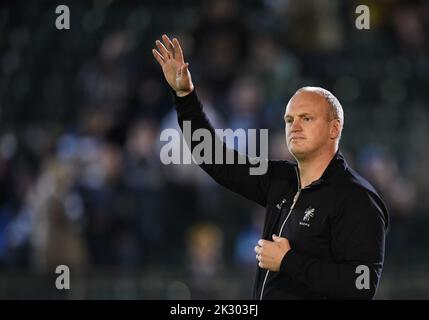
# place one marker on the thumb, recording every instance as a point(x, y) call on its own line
point(276, 238)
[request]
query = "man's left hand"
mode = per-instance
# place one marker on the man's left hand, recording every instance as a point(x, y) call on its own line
point(270, 253)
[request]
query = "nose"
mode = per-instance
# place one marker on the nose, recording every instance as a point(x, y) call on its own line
point(295, 126)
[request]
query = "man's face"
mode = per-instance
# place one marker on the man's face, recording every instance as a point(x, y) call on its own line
point(308, 127)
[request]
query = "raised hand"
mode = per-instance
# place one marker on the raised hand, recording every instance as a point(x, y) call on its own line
point(170, 57)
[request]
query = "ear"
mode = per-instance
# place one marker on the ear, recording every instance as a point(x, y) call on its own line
point(335, 129)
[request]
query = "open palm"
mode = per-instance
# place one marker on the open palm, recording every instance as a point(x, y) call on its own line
point(170, 57)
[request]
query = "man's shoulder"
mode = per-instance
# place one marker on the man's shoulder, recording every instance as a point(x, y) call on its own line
point(355, 187)
point(355, 192)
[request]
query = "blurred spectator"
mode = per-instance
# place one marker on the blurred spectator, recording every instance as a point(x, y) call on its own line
point(382, 169)
point(204, 258)
point(105, 81)
point(146, 183)
point(55, 212)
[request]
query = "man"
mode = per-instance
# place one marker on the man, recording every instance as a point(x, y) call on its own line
point(325, 226)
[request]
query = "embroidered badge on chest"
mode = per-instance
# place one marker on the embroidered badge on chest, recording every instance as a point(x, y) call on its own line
point(308, 215)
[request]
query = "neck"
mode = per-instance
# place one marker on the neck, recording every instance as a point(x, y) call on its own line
point(312, 168)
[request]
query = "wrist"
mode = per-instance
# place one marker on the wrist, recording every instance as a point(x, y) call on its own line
point(182, 93)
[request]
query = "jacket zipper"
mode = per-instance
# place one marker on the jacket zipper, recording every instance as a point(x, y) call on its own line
point(295, 199)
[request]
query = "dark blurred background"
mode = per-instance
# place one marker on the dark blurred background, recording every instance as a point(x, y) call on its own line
point(81, 111)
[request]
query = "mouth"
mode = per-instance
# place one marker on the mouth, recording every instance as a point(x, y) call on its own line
point(296, 139)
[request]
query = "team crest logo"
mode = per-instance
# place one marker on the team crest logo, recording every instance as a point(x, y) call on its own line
point(308, 214)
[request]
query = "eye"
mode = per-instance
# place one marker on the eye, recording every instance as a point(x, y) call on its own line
point(288, 121)
point(307, 119)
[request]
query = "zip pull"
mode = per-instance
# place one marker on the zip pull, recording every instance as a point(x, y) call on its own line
point(295, 198)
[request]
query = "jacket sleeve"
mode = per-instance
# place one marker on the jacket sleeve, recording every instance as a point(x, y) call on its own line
point(236, 176)
point(358, 240)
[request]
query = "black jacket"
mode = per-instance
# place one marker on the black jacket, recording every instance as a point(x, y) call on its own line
point(336, 224)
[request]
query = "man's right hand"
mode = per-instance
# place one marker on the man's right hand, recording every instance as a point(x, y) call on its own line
point(170, 56)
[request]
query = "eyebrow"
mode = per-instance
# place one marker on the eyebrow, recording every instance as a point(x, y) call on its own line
point(299, 115)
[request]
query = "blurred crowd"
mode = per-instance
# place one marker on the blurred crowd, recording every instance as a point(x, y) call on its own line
point(81, 111)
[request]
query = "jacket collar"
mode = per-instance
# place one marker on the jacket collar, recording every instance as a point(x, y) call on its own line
point(337, 162)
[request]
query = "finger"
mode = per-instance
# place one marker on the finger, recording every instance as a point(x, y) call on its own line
point(178, 53)
point(261, 265)
point(261, 242)
point(258, 249)
point(158, 57)
point(277, 238)
point(162, 50)
point(168, 44)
